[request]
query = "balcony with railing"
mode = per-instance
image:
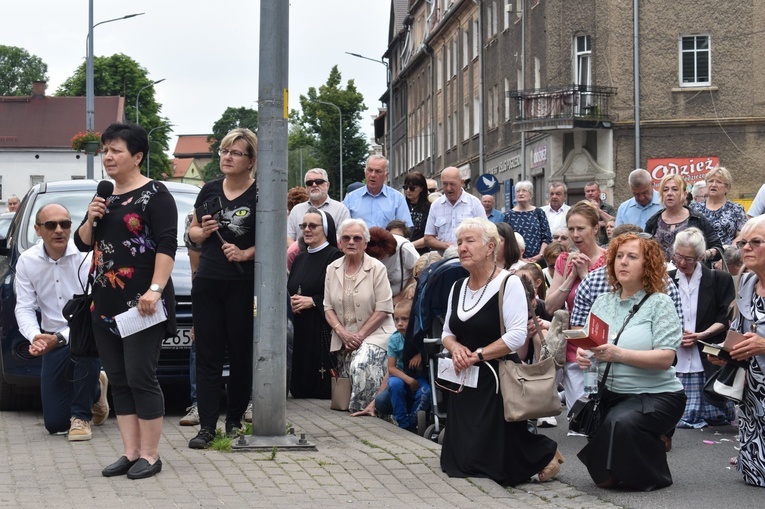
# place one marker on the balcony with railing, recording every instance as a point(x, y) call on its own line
point(564, 107)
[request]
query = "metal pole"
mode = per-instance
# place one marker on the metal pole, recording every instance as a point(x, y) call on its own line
point(523, 85)
point(90, 108)
point(636, 73)
point(340, 113)
point(89, 88)
point(138, 95)
point(389, 76)
point(269, 363)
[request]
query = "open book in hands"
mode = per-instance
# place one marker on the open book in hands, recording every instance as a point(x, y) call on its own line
point(595, 334)
point(723, 351)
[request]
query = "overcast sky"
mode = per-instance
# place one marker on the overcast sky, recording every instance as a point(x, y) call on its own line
point(207, 51)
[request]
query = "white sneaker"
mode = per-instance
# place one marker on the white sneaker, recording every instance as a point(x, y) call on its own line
point(192, 417)
point(547, 422)
point(248, 413)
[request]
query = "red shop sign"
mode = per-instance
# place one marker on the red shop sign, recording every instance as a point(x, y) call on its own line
point(692, 169)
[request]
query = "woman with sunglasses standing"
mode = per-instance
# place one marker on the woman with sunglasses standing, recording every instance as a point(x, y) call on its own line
point(310, 351)
point(415, 190)
point(223, 289)
point(358, 305)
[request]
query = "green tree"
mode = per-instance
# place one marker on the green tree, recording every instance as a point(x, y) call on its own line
point(121, 75)
point(18, 69)
point(302, 155)
point(320, 122)
point(231, 119)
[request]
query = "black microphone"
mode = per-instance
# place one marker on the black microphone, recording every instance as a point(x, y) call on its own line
point(104, 190)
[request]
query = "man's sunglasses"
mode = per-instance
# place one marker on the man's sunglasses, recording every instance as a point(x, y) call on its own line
point(318, 182)
point(51, 225)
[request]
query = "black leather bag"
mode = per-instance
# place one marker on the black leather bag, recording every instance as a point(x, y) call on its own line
point(585, 416)
point(77, 314)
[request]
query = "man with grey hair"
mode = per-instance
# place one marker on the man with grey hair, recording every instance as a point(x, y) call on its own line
point(432, 186)
point(377, 203)
point(448, 211)
point(317, 185)
point(607, 212)
point(644, 203)
point(492, 214)
point(556, 208)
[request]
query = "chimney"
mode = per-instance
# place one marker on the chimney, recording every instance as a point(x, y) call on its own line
point(38, 89)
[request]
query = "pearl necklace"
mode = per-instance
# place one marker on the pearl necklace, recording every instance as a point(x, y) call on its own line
point(464, 293)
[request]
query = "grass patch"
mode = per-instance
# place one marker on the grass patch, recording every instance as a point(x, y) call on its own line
point(374, 446)
point(221, 442)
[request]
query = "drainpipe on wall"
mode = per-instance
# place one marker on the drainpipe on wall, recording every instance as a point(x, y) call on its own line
point(433, 130)
point(523, 85)
point(480, 86)
point(636, 74)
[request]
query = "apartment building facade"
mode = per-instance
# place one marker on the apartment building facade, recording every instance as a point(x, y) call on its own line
point(544, 90)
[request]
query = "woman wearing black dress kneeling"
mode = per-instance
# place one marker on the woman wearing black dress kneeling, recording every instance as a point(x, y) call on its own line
point(478, 441)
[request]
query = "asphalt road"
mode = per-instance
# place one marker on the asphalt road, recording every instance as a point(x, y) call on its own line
point(702, 473)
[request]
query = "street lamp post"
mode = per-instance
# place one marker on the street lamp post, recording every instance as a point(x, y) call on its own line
point(340, 113)
point(89, 86)
point(138, 95)
point(148, 152)
point(389, 75)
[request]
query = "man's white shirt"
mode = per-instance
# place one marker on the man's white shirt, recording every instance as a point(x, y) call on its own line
point(47, 285)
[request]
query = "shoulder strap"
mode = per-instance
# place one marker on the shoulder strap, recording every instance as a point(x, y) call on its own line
point(633, 312)
point(500, 299)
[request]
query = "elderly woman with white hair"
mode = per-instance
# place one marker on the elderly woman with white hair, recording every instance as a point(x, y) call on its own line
point(530, 222)
point(478, 441)
point(726, 216)
point(358, 305)
point(706, 296)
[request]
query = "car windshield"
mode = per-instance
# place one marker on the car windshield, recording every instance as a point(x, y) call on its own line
point(77, 203)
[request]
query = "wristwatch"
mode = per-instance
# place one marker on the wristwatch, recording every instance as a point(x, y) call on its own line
point(60, 340)
point(479, 353)
point(155, 288)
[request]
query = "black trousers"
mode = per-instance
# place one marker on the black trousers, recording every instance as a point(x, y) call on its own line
point(627, 444)
point(222, 312)
point(131, 364)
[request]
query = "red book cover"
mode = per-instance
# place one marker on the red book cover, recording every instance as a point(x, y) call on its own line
point(596, 334)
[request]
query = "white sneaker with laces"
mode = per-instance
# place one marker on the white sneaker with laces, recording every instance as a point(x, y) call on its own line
point(192, 417)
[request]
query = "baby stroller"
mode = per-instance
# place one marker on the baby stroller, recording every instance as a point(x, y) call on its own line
point(436, 419)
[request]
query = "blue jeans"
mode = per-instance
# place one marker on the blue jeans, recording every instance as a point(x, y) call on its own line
point(68, 389)
point(399, 400)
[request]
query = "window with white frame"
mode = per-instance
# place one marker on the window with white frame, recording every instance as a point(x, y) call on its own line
point(507, 8)
point(583, 60)
point(490, 17)
point(466, 121)
point(465, 48)
point(695, 61)
point(455, 56)
point(36, 179)
point(448, 132)
point(454, 125)
point(507, 99)
point(518, 9)
point(494, 16)
point(448, 62)
point(476, 112)
point(439, 141)
point(439, 71)
point(476, 38)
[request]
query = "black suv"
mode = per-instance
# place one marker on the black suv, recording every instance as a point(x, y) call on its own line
point(20, 372)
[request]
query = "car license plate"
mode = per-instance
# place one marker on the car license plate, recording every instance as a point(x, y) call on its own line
point(182, 339)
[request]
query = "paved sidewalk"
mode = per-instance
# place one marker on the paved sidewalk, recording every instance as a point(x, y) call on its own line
point(359, 462)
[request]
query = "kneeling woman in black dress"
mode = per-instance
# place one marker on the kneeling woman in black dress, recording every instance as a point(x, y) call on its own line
point(643, 399)
point(478, 441)
point(311, 359)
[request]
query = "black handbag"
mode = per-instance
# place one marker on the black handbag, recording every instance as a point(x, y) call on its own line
point(77, 314)
point(726, 384)
point(586, 414)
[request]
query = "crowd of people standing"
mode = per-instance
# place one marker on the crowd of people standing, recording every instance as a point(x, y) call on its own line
point(662, 268)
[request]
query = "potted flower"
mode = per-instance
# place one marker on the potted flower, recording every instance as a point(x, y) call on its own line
point(88, 142)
